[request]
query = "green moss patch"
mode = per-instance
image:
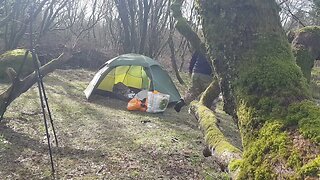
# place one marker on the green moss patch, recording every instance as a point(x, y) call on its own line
point(268, 147)
point(274, 145)
point(213, 135)
point(305, 115)
point(311, 169)
point(304, 60)
point(268, 78)
point(313, 29)
point(14, 59)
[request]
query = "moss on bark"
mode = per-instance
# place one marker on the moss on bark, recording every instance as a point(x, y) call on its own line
point(211, 93)
point(14, 59)
point(306, 48)
point(272, 151)
point(222, 149)
point(184, 28)
point(304, 60)
point(311, 168)
point(306, 116)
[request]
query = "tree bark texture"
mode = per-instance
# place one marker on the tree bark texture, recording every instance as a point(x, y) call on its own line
point(124, 17)
point(173, 59)
point(264, 89)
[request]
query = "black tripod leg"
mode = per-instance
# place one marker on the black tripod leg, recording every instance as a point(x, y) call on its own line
point(45, 121)
point(40, 87)
point(42, 99)
point(49, 112)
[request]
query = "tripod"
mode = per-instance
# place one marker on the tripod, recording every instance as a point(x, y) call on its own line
point(44, 107)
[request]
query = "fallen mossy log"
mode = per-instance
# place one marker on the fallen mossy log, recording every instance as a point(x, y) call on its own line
point(221, 148)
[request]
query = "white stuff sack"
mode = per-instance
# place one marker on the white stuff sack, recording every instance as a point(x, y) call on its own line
point(157, 102)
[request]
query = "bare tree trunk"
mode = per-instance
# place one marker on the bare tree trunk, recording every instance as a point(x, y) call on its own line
point(144, 23)
point(173, 59)
point(124, 16)
point(133, 34)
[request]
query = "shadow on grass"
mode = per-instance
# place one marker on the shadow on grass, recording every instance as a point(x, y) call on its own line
point(18, 142)
point(170, 164)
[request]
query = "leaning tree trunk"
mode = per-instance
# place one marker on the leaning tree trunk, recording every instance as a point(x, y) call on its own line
point(220, 147)
point(265, 89)
point(19, 86)
point(173, 59)
point(173, 54)
point(185, 30)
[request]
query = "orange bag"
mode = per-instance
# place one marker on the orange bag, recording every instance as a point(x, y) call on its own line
point(136, 105)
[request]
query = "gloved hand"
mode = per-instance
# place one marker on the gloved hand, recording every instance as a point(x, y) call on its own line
point(179, 105)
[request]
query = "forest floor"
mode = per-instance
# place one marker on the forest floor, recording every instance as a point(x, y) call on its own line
point(100, 139)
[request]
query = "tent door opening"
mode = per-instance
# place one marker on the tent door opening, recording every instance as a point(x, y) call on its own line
point(131, 76)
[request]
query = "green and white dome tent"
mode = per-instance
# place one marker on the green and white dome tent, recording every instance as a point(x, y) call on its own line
point(135, 71)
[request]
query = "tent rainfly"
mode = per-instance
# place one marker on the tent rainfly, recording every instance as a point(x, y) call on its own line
point(135, 71)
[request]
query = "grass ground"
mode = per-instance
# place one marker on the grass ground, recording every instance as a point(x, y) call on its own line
point(98, 139)
point(101, 139)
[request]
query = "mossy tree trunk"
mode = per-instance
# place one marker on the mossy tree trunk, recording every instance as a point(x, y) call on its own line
point(184, 28)
point(265, 89)
point(306, 48)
